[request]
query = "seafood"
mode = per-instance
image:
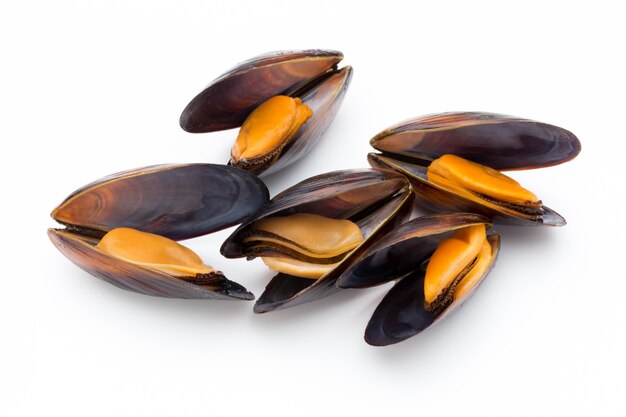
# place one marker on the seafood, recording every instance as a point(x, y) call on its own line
point(333, 203)
point(302, 244)
point(439, 261)
point(485, 143)
point(153, 205)
point(285, 101)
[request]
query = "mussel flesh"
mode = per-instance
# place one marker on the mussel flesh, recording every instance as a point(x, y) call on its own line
point(302, 244)
point(283, 102)
point(312, 231)
point(453, 159)
point(120, 228)
point(157, 252)
point(438, 260)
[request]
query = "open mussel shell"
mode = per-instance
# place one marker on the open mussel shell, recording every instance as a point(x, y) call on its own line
point(375, 200)
point(310, 75)
point(228, 100)
point(404, 249)
point(324, 99)
point(495, 140)
point(434, 198)
point(174, 201)
point(131, 277)
point(402, 255)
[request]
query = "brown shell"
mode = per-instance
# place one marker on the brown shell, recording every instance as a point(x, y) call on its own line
point(401, 313)
point(381, 198)
point(404, 249)
point(175, 201)
point(131, 277)
point(499, 141)
point(324, 99)
point(402, 255)
point(433, 198)
point(228, 100)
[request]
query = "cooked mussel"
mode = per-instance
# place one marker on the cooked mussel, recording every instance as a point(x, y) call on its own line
point(302, 244)
point(123, 228)
point(438, 260)
point(453, 161)
point(283, 101)
point(312, 231)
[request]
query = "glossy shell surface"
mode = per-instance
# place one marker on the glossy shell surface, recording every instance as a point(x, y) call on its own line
point(434, 198)
point(228, 100)
point(401, 313)
point(175, 201)
point(402, 255)
point(325, 100)
point(404, 249)
point(131, 277)
point(499, 141)
point(377, 200)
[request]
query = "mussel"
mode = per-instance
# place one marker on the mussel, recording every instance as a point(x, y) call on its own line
point(439, 261)
point(285, 101)
point(122, 228)
point(453, 161)
point(316, 228)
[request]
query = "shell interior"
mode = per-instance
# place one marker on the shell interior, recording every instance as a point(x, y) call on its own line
point(128, 276)
point(287, 291)
point(174, 201)
point(401, 313)
point(324, 99)
point(228, 100)
point(373, 199)
point(404, 249)
point(433, 197)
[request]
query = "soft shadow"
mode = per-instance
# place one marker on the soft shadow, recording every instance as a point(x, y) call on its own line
point(297, 315)
point(527, 236)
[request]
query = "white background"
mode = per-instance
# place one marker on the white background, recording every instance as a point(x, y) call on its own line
point(92, 88)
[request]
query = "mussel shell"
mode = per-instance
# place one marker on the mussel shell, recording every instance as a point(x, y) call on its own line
point(81, 251)
point(324, 99)
point(434, 198)
point(228, 100)
point(175, 201)
point(401, 313)
point(495, 140)
point(385, 195)
point(404, 249)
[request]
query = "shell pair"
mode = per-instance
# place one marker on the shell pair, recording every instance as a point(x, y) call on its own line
point(345, 229)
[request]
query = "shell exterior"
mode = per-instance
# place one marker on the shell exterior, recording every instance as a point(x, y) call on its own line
point(377, 200)
point(495, 140)
point(175, 201)
point(404, 249)
point(310, 75)
point(136, 278)
point(401, 313)
point(433, 198)
point(325, 100)
point(228, 100)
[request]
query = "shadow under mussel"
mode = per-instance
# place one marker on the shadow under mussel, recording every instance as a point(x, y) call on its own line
point(486, 142)
point(305, 90)
point(404, 255)
point(373, 201)
point(158, 204)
